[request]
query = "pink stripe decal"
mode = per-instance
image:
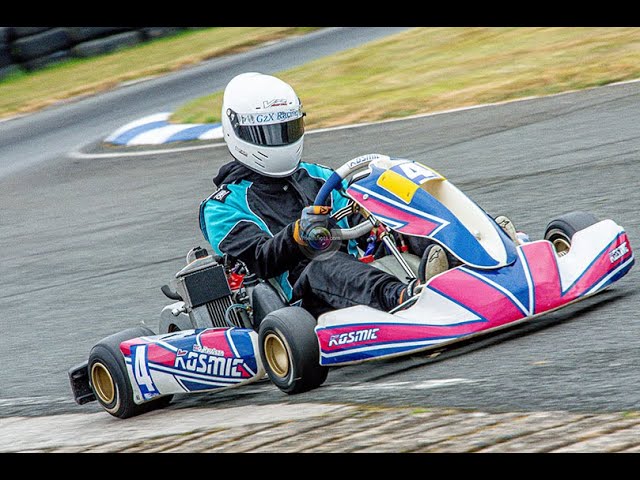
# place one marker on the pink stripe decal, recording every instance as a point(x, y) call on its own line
point(481, 298)
point(125, 347)
point(414, 224)
point(158, 354)
point(155, 352)
point(465, 289)
point(543, 266)
point(216, 339)
point(478, 296)
point(340, 338)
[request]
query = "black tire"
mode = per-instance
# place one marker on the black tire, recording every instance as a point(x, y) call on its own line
point(107, 44)
point(41, 62)
point(82, 34)
point(561, 230)
point(153, 33)
point(5, 56)
point(21, 32)
point(40, 44)
point(289, 350)
point(109, 380)
point(4, 36)
point(174, 324)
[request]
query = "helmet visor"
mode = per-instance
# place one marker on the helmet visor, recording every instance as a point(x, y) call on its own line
point(267, 134)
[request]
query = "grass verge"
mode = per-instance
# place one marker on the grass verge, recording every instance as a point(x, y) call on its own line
point(431, 69)
point(28, 92)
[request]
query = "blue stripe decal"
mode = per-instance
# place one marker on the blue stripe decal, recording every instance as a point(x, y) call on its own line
point(183, 374)
point(354, 357)
point(242, 340)
point(127, 136)
point(190, 133)
point(194, 386)
point(618, 275)
point(512, 278)
point(377, 345)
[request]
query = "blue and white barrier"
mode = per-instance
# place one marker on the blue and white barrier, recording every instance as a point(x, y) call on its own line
point(156, 130)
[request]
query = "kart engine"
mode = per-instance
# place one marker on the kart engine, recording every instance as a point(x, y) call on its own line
point(213, 290)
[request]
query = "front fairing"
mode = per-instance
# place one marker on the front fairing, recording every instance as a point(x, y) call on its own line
point(191, 361)
point(396, 193)
point(464, 301)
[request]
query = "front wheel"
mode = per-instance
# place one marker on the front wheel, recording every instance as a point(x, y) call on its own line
point(289, 350)
point(560, 231)
point(109, 380)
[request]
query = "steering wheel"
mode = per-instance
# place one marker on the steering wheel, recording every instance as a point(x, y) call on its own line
point(334, 182)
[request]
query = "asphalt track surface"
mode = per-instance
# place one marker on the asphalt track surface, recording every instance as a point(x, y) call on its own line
point(87, 242)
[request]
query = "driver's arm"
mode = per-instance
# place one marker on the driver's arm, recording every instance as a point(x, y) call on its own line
point(264, 255)
point(231, 231)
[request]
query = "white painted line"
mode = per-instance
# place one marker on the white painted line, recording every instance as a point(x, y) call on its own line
point(424, 385)
point(81, 155)
point(22, 401)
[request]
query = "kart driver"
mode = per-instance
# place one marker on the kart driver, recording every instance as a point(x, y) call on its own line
point(262, 207)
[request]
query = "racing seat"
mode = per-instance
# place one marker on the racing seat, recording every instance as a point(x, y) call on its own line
point(266, 297)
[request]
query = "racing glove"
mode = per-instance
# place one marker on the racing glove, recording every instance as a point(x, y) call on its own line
point(312, 224)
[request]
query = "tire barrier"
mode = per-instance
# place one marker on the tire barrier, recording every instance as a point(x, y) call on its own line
point(151, 33)
point(31, 48)
point(41, 62)
point(82, 34)
point(40, 45)
point(4, 36)
point(19, 32)
point(5, 56)
point(107, 44)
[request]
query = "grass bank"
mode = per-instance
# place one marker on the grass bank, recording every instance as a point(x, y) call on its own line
point(28, 92)
point(430, 69)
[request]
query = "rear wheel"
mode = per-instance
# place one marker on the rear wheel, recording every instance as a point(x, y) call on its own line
point(289, 350)
point(109, 380)
point(561, 230)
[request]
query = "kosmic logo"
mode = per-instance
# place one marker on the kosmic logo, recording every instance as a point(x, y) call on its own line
point(353, 337)
point(618, 253)
point(208, 364)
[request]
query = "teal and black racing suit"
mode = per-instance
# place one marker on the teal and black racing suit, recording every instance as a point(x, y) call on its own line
point(251, 217)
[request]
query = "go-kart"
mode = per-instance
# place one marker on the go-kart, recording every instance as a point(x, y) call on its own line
point(227, 328)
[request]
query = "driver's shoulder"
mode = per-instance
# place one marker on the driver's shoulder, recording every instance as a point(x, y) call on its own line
point(231, 196)
point(315, 170)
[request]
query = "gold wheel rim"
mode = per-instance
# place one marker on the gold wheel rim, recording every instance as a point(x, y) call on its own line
point(277, 355)
point(562, 246)
point(103, 383)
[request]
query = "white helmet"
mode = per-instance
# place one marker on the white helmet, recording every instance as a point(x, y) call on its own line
point(263, 124)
